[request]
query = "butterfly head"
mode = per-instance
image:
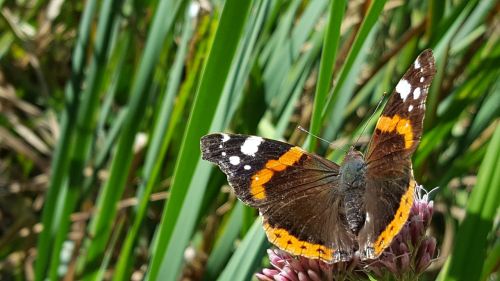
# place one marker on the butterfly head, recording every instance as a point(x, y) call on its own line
point(353, 155)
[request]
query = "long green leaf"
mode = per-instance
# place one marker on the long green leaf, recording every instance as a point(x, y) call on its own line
point(178, 212)
point(368, 23)
point(224, 244)
point(61, 155)
point(86, 123)
point(244, 261)
point(100, 228)
point(491, 262)
point(481, 211)
point(326, 67)
point(156, 152)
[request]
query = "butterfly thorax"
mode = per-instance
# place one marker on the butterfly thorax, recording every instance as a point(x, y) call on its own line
point(352, 185)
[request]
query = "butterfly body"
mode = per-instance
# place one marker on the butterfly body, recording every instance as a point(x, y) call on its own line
point(316, 208)
point(353, 186)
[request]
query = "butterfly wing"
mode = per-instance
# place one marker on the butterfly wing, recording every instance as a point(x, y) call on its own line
point(295, 192)
point(389, 174)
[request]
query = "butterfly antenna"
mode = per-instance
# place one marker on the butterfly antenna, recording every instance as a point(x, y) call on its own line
point(309, 133)
point(370, 118)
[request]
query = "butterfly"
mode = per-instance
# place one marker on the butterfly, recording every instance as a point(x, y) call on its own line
point(318, 209)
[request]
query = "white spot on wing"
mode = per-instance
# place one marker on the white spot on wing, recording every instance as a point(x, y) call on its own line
point(417, 64)
point(410, 108)
point(234, 160)
point(416, 93)
point(247, 167)
point(194, 9)
point(223, 153)
point(403, 88)
point(422, 79)
point(251, 145)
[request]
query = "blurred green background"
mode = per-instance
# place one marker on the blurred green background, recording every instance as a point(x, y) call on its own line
point(103, 103)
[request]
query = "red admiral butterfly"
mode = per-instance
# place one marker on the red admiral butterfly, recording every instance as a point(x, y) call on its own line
point(321, 210)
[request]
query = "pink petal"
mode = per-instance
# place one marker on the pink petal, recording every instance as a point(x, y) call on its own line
point(263, 277)
point(431, 246)
point(296, 265)
point(423, 263)
point(313, 275)
point(290, 273)
point(405, 262)
point(270, 272)
point(303, 276)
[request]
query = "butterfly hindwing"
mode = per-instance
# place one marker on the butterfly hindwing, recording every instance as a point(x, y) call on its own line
point(389, 175)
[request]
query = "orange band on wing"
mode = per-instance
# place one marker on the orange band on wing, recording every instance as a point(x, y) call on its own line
point(287, 242)
point(257, 185)
point(291, 156)
point(401, 125)
point(400, 218)
point(257, 188)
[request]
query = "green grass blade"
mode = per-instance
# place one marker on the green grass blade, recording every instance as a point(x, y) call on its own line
point(294, 83)
point(278, 38)
point(290, 106)
point(491, 262)
point(436, 14)
point(245, 56)
point(86, 123)
point(108, 255)
point(61, 156)
point(473, 21)
point(326, 67)
point(244, 261)
point(336, 118)
point(368, 23)
point(225, 244)
point(155, 154)
point(100, 228)
point(287, 49)
point(441, 45)
point(178, 212)
point(487, 113)
point(481, 210)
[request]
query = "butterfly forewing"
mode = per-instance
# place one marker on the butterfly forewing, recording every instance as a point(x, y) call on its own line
point(241, 157)
point(389, 176)
point(293, 190)
point(399, 128)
